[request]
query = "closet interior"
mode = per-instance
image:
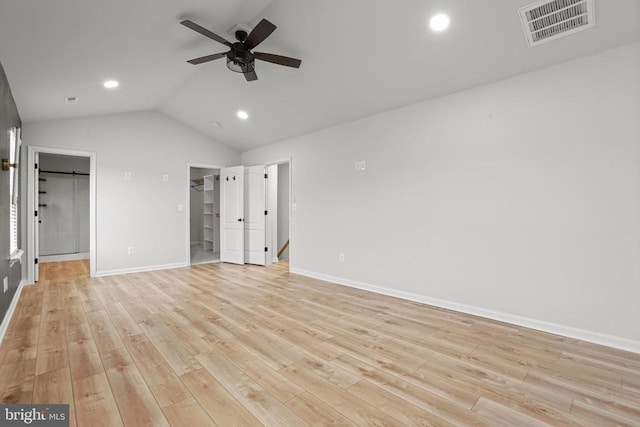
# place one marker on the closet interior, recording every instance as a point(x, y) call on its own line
point(63, 207)
point(204, 221)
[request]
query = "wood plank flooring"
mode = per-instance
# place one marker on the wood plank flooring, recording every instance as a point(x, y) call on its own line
point(64, 270)
point(224, 345)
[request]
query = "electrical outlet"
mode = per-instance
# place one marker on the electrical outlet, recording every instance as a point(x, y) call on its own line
point(341, 257)
point(360, 166)
point(165, 178)
point(127, 175)
point(130, 250)
point(180, 208)
point(5, 285)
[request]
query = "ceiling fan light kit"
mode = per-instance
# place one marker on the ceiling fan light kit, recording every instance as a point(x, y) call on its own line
point(240, 57)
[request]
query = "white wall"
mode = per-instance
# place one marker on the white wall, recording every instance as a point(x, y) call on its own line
point(142, 212)
point(519, 199)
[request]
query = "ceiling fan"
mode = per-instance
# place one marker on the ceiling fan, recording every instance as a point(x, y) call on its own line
point(240, 57)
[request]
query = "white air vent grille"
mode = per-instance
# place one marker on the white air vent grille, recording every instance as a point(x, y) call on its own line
point(71, 100)
point(544, 21)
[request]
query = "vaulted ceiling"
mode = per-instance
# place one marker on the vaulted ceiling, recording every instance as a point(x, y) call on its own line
point(359, 57)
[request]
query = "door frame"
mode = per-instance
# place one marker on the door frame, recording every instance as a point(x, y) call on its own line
point(30, 217)
point(188, 206)
point(290, 162)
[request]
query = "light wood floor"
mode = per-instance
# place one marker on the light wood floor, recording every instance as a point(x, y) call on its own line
point(64, 270)
point(227, 345)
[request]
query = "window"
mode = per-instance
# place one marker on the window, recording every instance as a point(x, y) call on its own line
point(14, 155)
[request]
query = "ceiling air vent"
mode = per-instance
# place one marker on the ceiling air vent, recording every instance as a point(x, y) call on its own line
point(71, 100)
point(544, 21)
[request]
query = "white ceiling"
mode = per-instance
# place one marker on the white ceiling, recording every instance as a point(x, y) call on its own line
point(359, 57)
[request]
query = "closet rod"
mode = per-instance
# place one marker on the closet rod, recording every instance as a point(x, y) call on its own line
point(66, 173)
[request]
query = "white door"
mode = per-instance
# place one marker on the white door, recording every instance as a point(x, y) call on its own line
point(254, 219)
point(232, 215)
point(36, 218)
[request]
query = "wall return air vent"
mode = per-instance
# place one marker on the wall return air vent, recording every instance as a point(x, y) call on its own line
point(544, 21)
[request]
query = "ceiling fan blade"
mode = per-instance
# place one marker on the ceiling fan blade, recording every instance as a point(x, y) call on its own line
point(207, 58)
point(251, 76)
point(278, 59)
point(204, 32)
point(259, 33)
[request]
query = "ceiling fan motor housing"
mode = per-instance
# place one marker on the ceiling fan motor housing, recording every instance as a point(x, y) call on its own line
point(240, 59)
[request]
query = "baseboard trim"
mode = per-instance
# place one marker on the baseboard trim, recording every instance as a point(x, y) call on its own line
point(12, 308)
point(63, 257)
point(553, 328)
point(140, 269)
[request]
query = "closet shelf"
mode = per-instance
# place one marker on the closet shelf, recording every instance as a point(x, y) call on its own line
point(208, 199)
point(197, 183)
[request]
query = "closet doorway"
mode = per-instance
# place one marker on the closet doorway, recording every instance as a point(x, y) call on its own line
point(279, 206)
point(204, 214)
point(61, 214)
point(210, 202)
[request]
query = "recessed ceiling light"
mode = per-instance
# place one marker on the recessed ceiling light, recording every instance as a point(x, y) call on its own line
point(243, 115)
point(439, 22)
point(111, 84)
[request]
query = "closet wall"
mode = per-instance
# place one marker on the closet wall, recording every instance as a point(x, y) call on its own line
point(64, 207)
